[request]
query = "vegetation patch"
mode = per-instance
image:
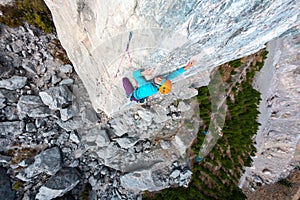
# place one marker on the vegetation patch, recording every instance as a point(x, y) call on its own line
point(17, 185)
point(285, 183)
point(86, 191)
point(35, 12)
point(20, 154)
point(217, 176)
point(58, 51)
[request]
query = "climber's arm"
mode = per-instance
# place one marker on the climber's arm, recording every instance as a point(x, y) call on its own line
point(190, 64)
point(180, 70)
point(140, 76)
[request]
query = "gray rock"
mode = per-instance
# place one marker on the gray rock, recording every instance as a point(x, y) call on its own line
point(164, 144)
point(16, 48)
point(182, 107)
point(2, 103)
point(10, 96)
point(49, 162)
point(56, 97)
point(185, 178)
point(29, 67)
point(140, 181)
point(66, 69)
point(127, 142)
point(68, 81)
point(10, 128)
point(64, 137)
point(32, 106)
point(120, 126)
point(67, 113)
point(59, 184)
point(8, 47)
point(6, 191)
point(4, 159)
point(89, 116)
point(74, 137)
point(11, 113)
point(30, 127)
point(72, 124)
point(55, 79)
point(278, 135)
point(96, 136)
point(40, 122)
point(145, 115)
point(13, 83)
point(160, 115)
point(49, 133)
point(175, 173)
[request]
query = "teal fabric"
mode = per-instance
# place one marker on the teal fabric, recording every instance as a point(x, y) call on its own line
point(148, 88)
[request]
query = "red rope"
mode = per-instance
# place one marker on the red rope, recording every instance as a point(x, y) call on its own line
point(126, 50)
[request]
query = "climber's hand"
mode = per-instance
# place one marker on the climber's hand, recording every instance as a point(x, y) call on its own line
point(190, 64)
point(147, 72)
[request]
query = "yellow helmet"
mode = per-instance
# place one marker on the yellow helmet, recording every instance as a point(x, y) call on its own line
point(166, 87)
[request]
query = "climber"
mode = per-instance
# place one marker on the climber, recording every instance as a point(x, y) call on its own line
point(160, 84)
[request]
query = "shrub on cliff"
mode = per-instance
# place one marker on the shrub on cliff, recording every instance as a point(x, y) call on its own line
point(34, 12)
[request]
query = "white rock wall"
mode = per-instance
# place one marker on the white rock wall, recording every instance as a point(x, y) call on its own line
point(277, 137)
point(166, 34)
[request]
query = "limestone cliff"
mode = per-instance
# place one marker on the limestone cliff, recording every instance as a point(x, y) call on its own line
point(166, 34)
point(278, 135)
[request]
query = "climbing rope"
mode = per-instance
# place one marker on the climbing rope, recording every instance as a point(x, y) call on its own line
point(123, 56)
point(126, 51)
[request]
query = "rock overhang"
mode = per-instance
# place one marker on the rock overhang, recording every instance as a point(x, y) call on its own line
point(164, 38)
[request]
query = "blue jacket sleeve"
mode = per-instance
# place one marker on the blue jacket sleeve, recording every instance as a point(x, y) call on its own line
point(139, 77)
point(175, 73)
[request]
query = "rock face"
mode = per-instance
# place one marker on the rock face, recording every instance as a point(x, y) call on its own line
point(166, 34)
point(6, 191)
point(278, 135)
point(51, 131)
point(48, 128)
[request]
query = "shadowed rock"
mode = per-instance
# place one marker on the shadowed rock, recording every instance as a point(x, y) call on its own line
point(6, 191)
point(49, 162)
point(59, 184)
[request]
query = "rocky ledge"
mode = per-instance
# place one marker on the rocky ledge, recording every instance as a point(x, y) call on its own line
point(54, 144)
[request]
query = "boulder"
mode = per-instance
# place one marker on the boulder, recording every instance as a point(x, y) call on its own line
point(96, 136)
point(127, 142)
point(72, 124)
point(32, 106)
point(59, 184)
point(49, 162)
point(57, 97)
point(10, 96)
point(144, 180)
point(68, 81)
point(67, 113)
point(13, 83)
point(66, 68)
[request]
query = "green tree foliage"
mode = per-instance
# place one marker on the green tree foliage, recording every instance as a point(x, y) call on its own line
point(217, 176)
point(235, 63)
point(35, 12)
